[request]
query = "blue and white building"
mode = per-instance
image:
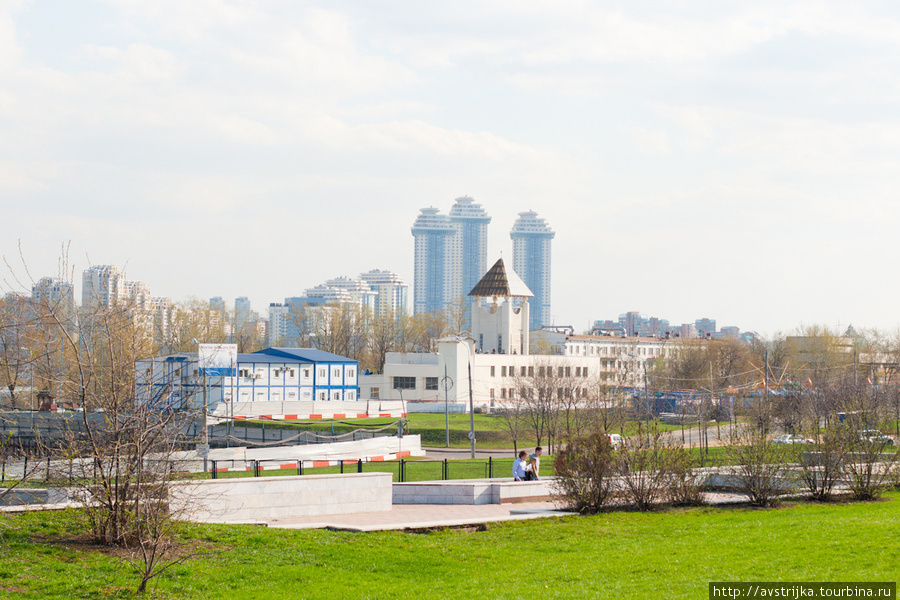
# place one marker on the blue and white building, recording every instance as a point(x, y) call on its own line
point(450, 254)
point(531, 238)
point(432, 232)
point(271, 375)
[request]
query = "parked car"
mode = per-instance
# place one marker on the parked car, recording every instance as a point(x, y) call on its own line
point(616, 441)
point(790, 438)
point(876, 437)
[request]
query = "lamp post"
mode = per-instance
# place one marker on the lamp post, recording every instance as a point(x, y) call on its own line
point(447, 385)
point(471, 396)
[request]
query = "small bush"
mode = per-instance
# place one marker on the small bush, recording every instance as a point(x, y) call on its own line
point(822, 465)
point(584, 473)
point(684, 484)
point(867, 467)
point(762, 471)
point(643, 465)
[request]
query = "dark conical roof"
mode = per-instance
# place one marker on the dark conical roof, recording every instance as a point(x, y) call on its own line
point(500, 282)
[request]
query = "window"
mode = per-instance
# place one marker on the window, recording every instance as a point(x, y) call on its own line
point(322, 373)
point(577, 371)
point(376, 393)
point(492, 393)
point(584, 371)
point(322, 396)
point(559, 371)
point(245, 373)
point(512, 371)
point(512, 394)
point(306, 373)
point(503, 371)
point(493, 371)
point(503, 393)
point(336, 372)
point(540, 371)
point(350, 372)
point(568, 371)
point(531, 371)
point(336, 395)
point(431, 383)
point(404, 383)
point(522, 372)
point(351, 395)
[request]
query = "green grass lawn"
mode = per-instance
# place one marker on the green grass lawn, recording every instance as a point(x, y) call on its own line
point(667, 554)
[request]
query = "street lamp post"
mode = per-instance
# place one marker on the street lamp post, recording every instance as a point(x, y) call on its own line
point(471, 395)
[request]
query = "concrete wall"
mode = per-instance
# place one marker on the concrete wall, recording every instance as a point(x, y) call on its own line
point(472, 491)
point(261, 498)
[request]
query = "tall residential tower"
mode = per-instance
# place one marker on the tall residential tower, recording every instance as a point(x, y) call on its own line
point(531, 237)
point(450, 254)
point(432, 232)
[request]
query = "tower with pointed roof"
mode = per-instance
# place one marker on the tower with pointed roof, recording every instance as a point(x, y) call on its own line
point(501, 326)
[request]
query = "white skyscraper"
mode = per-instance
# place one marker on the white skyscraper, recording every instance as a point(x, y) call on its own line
point(102, 286)
point(54, 292)
point(531, 237)
point(392, 294)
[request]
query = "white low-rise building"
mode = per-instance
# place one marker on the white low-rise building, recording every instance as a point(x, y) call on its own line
point(496, 362)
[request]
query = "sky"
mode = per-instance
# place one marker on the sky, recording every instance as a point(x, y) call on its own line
point(731, 160)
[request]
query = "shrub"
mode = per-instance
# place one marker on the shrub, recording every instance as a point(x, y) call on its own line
point(683, 484)
point(762, 471)
point(585, 469)
point(867, 467)
point(822, 465)
point(643, 465)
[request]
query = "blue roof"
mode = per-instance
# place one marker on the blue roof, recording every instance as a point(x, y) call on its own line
point(305, 355)
point(255, 357)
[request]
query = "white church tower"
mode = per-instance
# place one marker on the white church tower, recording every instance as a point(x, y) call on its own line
point(500, 327)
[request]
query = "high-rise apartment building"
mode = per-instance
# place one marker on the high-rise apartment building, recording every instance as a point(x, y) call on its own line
point(467, 249)
point(432, 232)
point(392, 295)
point(102, 286)
point(531, 238)
point(56, 293)
point(450, 254)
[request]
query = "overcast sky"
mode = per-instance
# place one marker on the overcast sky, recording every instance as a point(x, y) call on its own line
point(733, 160)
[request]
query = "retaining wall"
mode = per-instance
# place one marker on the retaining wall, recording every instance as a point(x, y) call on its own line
point(471, 491)
point(262, 498)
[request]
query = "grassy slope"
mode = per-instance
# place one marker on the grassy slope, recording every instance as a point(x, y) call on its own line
point(671, 554)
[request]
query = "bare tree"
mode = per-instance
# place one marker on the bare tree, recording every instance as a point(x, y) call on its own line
point(115, 454)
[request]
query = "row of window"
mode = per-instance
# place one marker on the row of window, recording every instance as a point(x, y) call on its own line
point(291, 395)
point(542, 371)
point(409, 383)
point(248, 373)
point(591, 350)
point(527, 393)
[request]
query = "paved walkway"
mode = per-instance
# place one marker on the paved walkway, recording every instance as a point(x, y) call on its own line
point(423, 516)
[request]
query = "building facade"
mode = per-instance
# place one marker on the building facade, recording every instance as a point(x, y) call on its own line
point(391, 293)
point(270, 375)
point(432, 233)
point(56, 293)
